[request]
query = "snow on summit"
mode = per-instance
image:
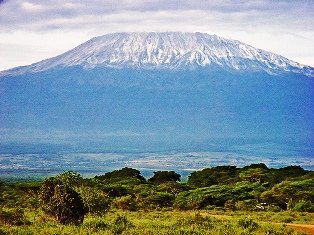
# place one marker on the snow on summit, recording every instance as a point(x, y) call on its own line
point(168, 50)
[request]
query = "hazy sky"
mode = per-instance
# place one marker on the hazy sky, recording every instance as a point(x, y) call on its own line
point(34, 30)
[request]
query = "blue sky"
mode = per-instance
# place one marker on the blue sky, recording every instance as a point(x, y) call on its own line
point(34, 30)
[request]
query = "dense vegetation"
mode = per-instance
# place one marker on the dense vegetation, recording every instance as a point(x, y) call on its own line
point(123, 201)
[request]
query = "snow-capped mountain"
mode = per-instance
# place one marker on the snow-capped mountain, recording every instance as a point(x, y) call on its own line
point(146, 89)
point(169, 50)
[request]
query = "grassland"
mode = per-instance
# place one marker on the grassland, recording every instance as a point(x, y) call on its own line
point(166, 222)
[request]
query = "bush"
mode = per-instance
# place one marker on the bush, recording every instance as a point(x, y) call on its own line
point(273, 208)
point(189, 200)
point(62, 202)
point(2, 232)
point(164, 176)
point(96, 225)
point(115, 190)
point(120, 224)
point(304, 206)
point(254, 174)
point(162, 199)
point(122, 174)
point(67, 206)
point(198, 220)
point(247, 205)
point(12, 217)
point(70, 178)
point(248, 223)
point(172, 187)
point(144, 190)
point(279, 175)
point(216, 195)
point(212, 176)
point(230, 205)
point(95, 201)
point(286, 193)
point(125, 203)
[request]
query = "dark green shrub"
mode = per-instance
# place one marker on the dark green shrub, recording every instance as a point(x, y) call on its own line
point(248, 223)
point(125, 203)
point(119, 175)
point(279, 175)
point(61, 201)
point(13, 217)
point(67, 206)
point(96, 225)
point(115, 190)
point(144, 190)
point(120, 224)
point(246, 205)
point(198, 220)
point(256, 166)
point(230, 204)
point(217, 195)
point(172, 187)
point(273, 208)
point(70, 178)
point(9, 196)
point(2, 232)
point(212, 176)
point(254, 173)
point(190, 200)
point(304, 206)
point(164, 176)
point(95, 201)
point(162, 199)
point(288, 192)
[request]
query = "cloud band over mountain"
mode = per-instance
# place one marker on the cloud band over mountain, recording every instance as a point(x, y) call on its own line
point(284, 27)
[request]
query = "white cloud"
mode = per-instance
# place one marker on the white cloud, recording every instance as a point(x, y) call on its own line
point(32, 30)
point(28, 6)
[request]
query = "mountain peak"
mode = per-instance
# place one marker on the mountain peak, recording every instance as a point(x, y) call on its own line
point(168, 50)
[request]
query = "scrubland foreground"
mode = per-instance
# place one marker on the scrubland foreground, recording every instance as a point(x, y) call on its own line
point(220, 200)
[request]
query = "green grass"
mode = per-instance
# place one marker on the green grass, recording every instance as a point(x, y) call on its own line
point(162, 222)
point(274, 217)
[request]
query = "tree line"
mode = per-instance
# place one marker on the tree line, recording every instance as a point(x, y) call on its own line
point(68, 197)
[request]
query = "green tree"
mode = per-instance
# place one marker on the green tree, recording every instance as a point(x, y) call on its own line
point(70, 178)
point(125, 203)
point(254, 173)
point(304, 205)
point(286, 173)
point(172, 187)
point(58, 199)
point(289, 192)
point(162, 199)
point(164, 176)
point(212, 176)
point(217, 195)
point(122, 174)
point(95, 200)
point(67, 205)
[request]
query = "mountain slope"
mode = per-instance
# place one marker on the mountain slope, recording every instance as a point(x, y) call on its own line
point(169, 50)
point(140, 89)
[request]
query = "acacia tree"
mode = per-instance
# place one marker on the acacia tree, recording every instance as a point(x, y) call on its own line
point(212, 176)
point(290, 192)
point(165, 176)
point(58, 199)
point(125, 173)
